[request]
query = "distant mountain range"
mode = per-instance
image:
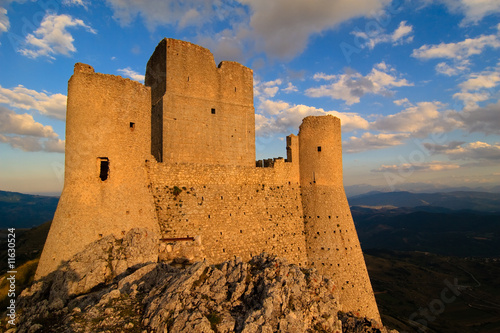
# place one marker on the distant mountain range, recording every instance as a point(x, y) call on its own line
point(19, 210)
point(459, 200)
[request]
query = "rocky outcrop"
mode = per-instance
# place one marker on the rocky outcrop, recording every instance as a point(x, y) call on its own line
point(265, 294)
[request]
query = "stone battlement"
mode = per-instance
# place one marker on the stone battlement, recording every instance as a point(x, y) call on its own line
point(176, 156)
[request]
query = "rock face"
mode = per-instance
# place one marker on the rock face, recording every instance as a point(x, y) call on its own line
point(265, 294)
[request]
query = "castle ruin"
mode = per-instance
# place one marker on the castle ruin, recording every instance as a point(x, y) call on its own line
point(177, 156)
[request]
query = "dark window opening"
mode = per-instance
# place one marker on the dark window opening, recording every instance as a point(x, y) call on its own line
point(104, 168)
point(319, 148)
point(213, 111)
point(132, 126)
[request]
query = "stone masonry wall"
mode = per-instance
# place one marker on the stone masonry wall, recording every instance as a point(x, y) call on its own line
point(107, 136)
point(236, 211)
point(206, 111)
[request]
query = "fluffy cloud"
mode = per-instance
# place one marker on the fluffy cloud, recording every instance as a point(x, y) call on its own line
point(467, 151)
point(402, 35)
point(351, 86)
point(459, 52)
point(279, 28)
point(474, 10)
point(369, 141)
point(426, 167)
point(23, 124)
point(21, 131)
point(52, 38)
point(131, 74)
point(281, 117)
point(419, 120)
point(50, 105)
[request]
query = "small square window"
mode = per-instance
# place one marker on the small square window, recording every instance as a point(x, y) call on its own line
point(132, 126)
point(319, 148)
point(213, 111)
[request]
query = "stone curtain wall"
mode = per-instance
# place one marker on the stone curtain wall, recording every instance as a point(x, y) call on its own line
point(237, 211)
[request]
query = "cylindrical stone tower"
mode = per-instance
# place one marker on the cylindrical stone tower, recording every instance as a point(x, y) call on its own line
point(108, 138)
point(332, 242)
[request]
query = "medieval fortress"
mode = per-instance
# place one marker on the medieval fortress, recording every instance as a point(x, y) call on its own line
point(177, 156)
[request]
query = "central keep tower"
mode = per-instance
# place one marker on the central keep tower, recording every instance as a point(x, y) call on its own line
point(201, 113)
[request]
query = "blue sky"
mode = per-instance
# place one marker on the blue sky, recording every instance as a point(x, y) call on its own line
point(415, 83)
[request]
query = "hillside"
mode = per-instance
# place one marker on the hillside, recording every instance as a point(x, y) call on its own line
point(19, 210)
point(437, 230)
point(460, 200)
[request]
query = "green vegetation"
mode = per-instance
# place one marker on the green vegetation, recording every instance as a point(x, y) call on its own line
point(214, 320)
point(24, 277)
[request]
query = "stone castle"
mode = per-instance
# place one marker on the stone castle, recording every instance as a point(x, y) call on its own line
point(177, 156)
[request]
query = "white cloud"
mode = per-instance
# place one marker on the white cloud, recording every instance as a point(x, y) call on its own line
point(52, 38)
point(351, 86)
point(279, 28)
point(23, 124)
point(281, 117)
point(21, 131)
point(4, 20)
point(477, 88)
point(480, 81)
point(131, 74)
point(402, 35)
point(459, 52)
point(290, 88)
point(474, 10)
point(50, 105)
point(403, 101)
point(426, 167)
point(32, 144)
point(446, 69)
point(419, 120)
point(267, 89)
point(369, 141)
point(467, 151)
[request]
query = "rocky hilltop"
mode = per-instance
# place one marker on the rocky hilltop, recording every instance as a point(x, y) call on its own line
point(118, 286)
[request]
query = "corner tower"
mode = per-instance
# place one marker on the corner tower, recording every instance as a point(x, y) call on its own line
point(201, 113)
point(105, 182)
point(331, 240)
